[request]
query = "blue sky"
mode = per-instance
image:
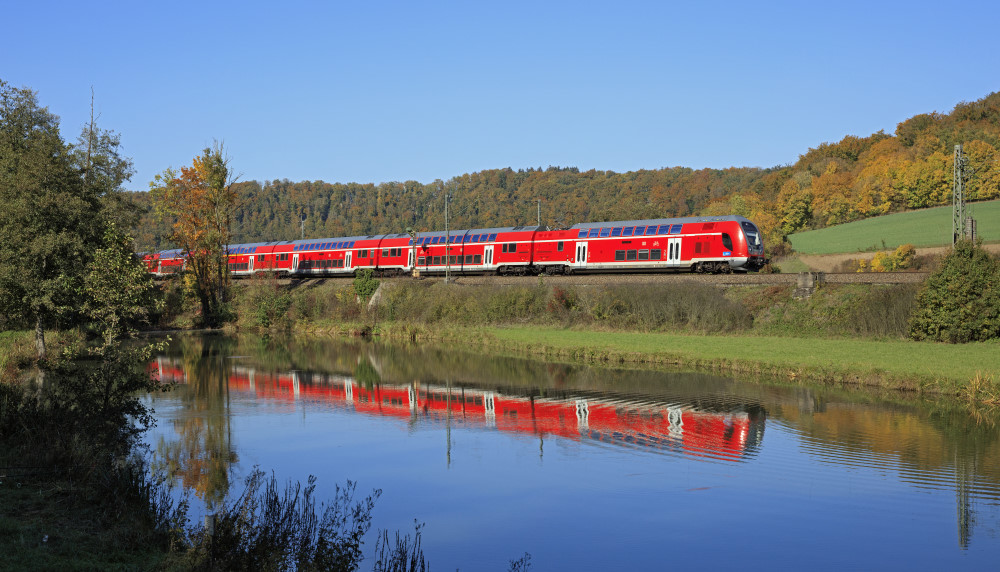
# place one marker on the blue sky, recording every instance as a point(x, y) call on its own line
point(391, 91)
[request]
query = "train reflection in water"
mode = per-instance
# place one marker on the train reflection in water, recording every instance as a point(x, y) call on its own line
point(721, 431)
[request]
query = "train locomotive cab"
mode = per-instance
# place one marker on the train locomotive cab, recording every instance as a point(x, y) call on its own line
point(751, 236)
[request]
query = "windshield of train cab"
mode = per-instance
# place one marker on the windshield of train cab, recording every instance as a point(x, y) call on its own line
point(753, 235)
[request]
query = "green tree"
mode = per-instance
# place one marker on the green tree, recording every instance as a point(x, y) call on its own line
point(960, 302)
point(47, 223)
point(117, 291)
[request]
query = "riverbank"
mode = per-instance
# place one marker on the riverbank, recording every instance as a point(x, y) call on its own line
point(850, 334)
point(970, 372)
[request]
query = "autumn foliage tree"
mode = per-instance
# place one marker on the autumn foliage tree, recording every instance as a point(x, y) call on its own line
point(201, 200)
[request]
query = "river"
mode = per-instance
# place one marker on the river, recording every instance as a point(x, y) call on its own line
point(587, 468)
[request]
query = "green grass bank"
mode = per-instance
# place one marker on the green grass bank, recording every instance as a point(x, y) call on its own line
point(942, 368)
point(926, 227)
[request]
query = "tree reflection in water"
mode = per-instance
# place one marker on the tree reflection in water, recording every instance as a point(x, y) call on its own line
point(201, 453)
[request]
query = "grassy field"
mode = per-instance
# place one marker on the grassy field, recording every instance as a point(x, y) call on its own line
point(891, 363)
point(927, 227)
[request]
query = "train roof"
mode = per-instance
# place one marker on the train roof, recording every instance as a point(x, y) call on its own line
point(496, 230)
point(679, 220)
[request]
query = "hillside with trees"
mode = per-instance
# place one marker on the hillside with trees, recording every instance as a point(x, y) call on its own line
point(855, 178)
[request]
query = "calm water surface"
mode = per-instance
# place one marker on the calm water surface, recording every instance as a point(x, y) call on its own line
point(585, 468)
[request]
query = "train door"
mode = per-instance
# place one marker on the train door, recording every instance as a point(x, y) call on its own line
point(581, 254)
point(582, 415)
point(347, 260)
point(674, 251)
point(410, 267)
point(489, 409)
point(488, 256)
point(295, 263)
point(250, 264)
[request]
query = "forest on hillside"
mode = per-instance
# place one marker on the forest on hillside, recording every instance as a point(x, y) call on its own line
point(855, 178)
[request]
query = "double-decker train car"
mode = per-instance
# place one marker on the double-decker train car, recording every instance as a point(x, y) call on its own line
point(701, 244)
point(165, 262)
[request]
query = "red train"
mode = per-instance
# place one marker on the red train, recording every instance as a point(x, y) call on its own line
point(701, 244)
point(728, 434)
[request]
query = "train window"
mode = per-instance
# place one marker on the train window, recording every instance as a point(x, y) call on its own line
point(605, 232)
point(421, 261)
point(559, 246)
point(454, 259)
point(619, 255)
point(260, 258)
point(651, 229)
point(617, 231)
point(643, 255)
point(493, 237)
point(654, 254)
point(630, 255)
point(583, 233)
point(477, 259)
point(675, 229)
point(468, 259)
point(385, 252)
point(436, 260)
point(593, 233)
point(664, 229)
point(727, 241)
point(627, 231)
point(475, 238)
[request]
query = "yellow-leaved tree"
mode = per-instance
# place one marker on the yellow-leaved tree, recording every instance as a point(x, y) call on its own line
point(201, 201)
